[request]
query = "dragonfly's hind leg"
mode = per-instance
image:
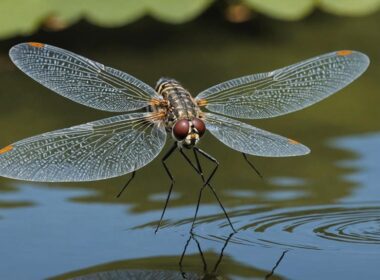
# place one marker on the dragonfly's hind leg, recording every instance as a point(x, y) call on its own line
point(251, 165)
point(166, 156)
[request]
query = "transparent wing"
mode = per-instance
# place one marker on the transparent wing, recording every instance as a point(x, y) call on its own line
point(287, 89)
point(92, 151)
point(81, 79)
point(251, 140)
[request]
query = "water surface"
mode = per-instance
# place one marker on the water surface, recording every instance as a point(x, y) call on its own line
point(310, 217)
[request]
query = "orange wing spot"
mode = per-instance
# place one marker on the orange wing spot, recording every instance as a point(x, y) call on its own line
point(6, 149)
point(293, 142)
point(202, 102)
point(37, 45)
point(344, 52)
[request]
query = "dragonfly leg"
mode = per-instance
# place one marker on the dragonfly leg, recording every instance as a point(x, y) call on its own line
point(197, 208)
point(199, 172)
point(209, 157)
point(166, 156)
point(126, 185)
point(207, 183)
point(251, 165)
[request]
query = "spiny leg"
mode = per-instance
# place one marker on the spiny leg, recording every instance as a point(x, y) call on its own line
point(166, 156)
point(207, 156)
point(126, 185)
point(251, 165)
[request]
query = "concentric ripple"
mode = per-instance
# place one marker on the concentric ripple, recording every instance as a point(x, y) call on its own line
point(331, 227)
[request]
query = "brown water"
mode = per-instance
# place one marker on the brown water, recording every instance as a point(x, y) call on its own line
point(316, 216)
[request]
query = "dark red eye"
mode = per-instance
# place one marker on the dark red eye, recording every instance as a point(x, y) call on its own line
point(181, 129)
point(200, 126)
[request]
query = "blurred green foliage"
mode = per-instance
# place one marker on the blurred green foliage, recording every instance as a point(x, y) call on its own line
point(19, 17)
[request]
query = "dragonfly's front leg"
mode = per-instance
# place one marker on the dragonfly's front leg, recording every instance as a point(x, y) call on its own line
point(167, 155)
point(251, 165)
point(199, 170)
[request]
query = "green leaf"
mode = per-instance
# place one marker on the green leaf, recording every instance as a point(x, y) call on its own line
point(20, 16)
point(109, 13)
point(282, 9)
point(350, 7)
point(176, 11)
point(25, 16)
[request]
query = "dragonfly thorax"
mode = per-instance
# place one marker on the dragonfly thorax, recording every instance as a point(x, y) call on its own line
point(183, 115)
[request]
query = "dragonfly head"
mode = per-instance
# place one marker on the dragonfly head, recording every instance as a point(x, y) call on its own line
point(188, 132)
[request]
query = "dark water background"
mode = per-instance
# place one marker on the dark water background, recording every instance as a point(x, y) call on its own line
point(320, 213)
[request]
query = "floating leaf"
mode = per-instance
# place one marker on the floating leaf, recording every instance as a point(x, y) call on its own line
point(175, 11)
point(25, 16)
point(282, 9)
point(20, 16)
point(350, 7)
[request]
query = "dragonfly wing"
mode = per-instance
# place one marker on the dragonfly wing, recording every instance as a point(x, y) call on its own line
point(97, 150)
point(81, 79)
point(252, 140)
point(287, 89)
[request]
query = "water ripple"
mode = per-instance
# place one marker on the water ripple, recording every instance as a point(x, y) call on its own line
point(332, 227)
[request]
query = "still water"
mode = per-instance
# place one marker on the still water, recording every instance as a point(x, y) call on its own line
point(312, 217)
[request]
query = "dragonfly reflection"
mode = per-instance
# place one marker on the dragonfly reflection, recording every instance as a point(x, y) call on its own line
point(125, 143)
point(213, 274)
point(206, 273)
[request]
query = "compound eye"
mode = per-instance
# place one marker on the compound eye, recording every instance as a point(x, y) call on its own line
point(199, 125)
point(181, 129)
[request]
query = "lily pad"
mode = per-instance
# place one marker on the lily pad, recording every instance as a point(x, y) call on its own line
point(283, 9)
point(20, 17)
point(350, 7)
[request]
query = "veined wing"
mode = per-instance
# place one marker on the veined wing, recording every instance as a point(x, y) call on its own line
point(97, 150)
point(81, 79)
point(287, 89)
point(252, 140)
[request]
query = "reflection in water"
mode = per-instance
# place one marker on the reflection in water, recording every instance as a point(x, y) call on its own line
point(276, 265)
point(148, 274)
point(207, 274)
point(136, 274)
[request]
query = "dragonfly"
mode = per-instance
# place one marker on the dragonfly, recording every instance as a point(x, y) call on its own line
point(124, 143)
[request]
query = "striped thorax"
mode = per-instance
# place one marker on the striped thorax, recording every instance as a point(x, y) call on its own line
point(183, 117)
